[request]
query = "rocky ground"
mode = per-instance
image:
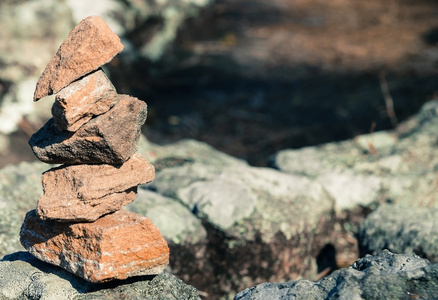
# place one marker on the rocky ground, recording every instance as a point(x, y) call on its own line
point(261, 81)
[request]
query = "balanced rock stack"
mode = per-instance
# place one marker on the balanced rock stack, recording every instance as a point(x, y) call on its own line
point(79, 223)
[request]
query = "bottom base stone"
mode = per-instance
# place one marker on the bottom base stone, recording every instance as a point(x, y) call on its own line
point(116, 246)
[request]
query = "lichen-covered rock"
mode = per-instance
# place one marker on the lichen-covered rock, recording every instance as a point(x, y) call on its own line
point(176, 222)
point(22, 276)
point(86, 192)
point(89, 45)
point(78, 102)
point(109, 138)
point(117, 246)
point(186, 152)
point(20, 187)
point(401, 229)
point(256, 219)
point(383, 276)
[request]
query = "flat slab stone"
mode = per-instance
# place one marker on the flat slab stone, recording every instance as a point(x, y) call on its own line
point(83, 99)
point(86, 192)
point(110, 138)
point(116, 246)
point(90, 45)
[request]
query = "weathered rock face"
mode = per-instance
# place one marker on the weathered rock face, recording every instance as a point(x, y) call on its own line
point(401, 229)
point(90, 45)
point(116, 246)
point(109, 138)
point(77, 103)
point(86, 192)
point(25, 277)
point(257, 219)
point(383, 276)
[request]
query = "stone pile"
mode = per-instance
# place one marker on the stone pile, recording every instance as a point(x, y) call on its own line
point(79, 223)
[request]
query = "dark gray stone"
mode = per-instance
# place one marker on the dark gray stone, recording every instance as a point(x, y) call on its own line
point(109, 138)
point(22, 276)
point(401, 229)
point(383, 276)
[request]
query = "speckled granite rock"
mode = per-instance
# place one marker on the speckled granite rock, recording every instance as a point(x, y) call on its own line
point(396, 166)
point(383, 276)
point(22, 276)
point(109, 138)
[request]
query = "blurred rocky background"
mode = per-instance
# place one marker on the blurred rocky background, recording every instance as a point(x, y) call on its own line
point(276, 128)
point(248, 77)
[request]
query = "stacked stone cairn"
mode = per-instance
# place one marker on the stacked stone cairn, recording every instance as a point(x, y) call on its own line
point(79, 223)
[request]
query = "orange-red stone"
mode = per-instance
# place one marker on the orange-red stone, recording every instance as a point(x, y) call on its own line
point(116, 246)
point(83, 99)
point(86, 192)
point(90, 45)
point(110, 138)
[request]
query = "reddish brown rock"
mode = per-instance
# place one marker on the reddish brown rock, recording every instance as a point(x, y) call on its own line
point(116, 246)
point(90, 45)
point(86, 192)
point(110, 138)
point(78, 102)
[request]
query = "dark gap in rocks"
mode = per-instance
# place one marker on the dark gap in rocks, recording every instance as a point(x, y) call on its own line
point(326, 259)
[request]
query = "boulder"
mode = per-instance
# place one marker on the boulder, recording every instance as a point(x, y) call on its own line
point(82, 100)
point(89, 45)
point(383, 276)
point(116, 246)
point(268, 223)
point(176, 222)
point(86, 192)
point(110, 138)
point(389, 166)
point(401, 229)
point(22, 276)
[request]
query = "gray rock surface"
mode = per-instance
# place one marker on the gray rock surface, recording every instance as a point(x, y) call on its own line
point(401, 229)
point(383, 276)
point(177, 224)
point(256, 218)
point(371, 169)
point(24, 277)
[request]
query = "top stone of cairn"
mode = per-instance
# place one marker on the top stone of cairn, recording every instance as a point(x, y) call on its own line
point(90, 45)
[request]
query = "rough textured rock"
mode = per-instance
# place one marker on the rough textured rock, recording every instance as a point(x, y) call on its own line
point(109, 138)
point(86, 192)
point(22, 276)
point(90, 45)
point(257, 219)
point(383, 276)
point(375, 168)
point(401, 229)
point(117, 246)
point(176, 223)
point(78, 102)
